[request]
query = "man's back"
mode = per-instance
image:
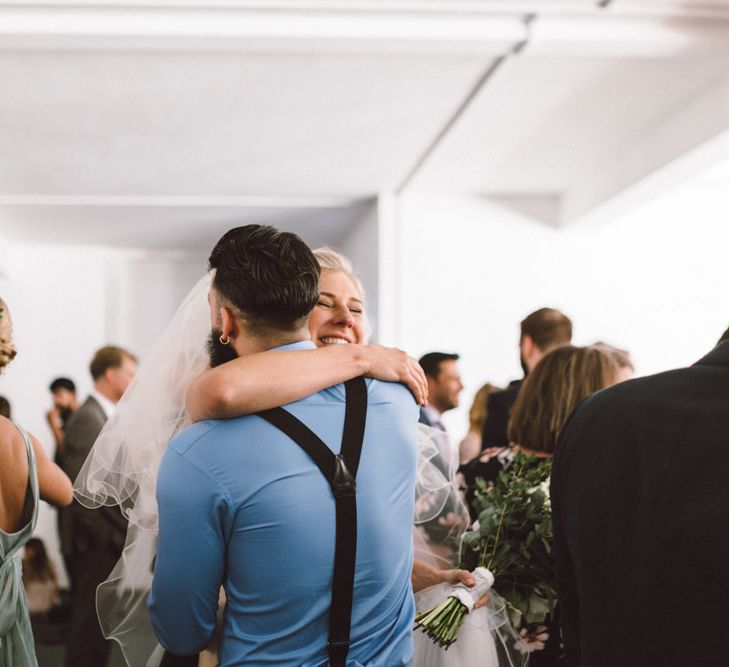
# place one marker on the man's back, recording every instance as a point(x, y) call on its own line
point(641, 506)
point(266, 520)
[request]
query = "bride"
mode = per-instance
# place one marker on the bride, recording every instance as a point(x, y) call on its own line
point(123, 464)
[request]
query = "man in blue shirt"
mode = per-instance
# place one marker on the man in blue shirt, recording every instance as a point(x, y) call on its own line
point(243, 506)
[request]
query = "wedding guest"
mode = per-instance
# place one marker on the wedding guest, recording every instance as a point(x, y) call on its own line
point(540, 332)
point(543, 330)
point(5, 408)
point(39, 578)
point(444, 386)
point(63, 393)
point(26, 475)
point(556, 385)
point(621, 358)
point(640, 500)
point(470, 447)
point(92, 540)
point(243, 499)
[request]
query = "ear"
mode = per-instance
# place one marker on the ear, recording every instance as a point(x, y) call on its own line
point(228, 323)
point(527, 346)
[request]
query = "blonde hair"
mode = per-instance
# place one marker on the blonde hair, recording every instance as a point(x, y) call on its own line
point(478, 412)
point(7, 349)
point(331, 260)
point(550, 393)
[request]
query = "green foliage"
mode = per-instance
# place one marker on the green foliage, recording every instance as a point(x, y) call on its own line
point(514, 538)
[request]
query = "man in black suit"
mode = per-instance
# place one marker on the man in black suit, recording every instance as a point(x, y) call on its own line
point(641, 508)
point(542, 331)
point(92, 540)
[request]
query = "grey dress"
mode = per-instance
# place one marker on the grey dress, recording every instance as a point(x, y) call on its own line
point(16, 638)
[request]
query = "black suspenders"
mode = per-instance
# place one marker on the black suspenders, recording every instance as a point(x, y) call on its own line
point(340, 471)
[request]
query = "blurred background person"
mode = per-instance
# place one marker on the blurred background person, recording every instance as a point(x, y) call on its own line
point(444, 387)
point(39, 578)
point(26, 475)
point(470, 447)
point(621, 358)
point(541, 331)
point(92, 539)
point(63, 393)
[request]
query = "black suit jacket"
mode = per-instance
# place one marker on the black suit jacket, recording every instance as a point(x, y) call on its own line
point(83, 529)
point(640, 497)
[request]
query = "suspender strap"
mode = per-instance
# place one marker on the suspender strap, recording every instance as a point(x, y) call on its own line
point(340, 471)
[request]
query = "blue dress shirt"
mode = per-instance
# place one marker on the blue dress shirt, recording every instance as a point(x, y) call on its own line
point(241, 505)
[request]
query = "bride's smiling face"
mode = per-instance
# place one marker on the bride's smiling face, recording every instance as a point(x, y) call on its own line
point(338, 317)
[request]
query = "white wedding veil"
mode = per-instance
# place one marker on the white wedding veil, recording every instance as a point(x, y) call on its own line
point(122, 470)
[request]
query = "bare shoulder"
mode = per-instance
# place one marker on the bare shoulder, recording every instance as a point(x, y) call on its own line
point(12, 449)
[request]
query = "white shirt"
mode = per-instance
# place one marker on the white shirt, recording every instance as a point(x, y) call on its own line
point(106, 405)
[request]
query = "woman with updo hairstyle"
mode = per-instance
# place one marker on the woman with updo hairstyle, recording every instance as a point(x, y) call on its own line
point(470, 447)
point(26, 474)
point(7, 349)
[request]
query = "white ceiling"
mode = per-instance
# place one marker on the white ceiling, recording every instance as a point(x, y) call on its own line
point(145, 122)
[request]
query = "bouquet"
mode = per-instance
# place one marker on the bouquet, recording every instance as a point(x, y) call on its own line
point(442, 622)
point(513, 538)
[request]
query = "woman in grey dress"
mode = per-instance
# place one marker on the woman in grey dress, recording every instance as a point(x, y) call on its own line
point(26, 474)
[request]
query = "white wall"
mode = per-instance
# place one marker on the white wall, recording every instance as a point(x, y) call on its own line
point(66, 302)
point(360, 245)
point(446, 274)
point(653, 282)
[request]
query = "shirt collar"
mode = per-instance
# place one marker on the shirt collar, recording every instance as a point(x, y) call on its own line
point(432, 414)
point(299, 345)
point(106, 405)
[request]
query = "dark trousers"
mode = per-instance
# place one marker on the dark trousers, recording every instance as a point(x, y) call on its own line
point(86, 646)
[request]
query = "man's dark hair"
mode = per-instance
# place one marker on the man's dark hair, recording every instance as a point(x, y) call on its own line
point(431, 362)
point(5, 410)
point(548, 328)
point(108, 357)
point(270, 277)
point(62, 383)
point(724, 337)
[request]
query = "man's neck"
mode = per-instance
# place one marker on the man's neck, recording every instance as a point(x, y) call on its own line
point(105, 391)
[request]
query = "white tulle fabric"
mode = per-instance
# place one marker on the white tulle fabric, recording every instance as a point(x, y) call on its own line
point(122, 470)
point(486, 637)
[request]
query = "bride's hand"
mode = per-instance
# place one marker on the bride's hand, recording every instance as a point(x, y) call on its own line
point(465, 577)
point(390, 364)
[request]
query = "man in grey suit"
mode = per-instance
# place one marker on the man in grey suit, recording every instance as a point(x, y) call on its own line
point(92, 540)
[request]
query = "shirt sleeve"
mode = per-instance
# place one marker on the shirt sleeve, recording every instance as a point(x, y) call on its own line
point(190, 565)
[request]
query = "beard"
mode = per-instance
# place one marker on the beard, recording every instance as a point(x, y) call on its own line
point(219, 353)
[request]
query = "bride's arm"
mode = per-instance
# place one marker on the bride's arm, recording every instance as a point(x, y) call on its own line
point(268, 379)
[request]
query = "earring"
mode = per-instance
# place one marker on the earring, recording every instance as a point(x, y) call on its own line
point(224, 340)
